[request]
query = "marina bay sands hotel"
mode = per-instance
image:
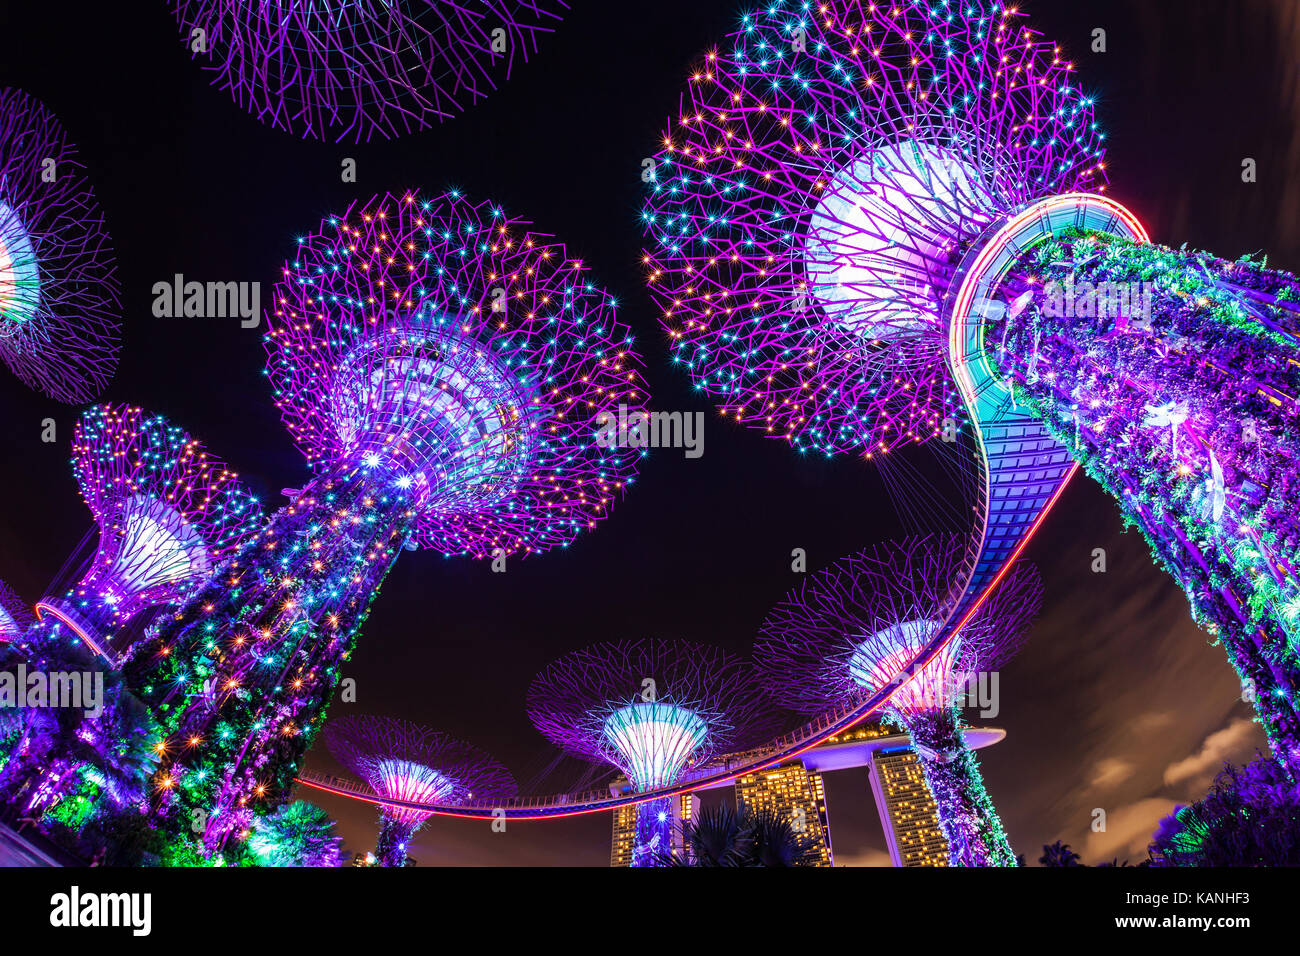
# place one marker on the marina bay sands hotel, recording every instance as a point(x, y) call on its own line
point(794, 791)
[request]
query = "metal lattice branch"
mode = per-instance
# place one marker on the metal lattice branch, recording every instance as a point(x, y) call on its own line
point(826, 172)
point(167, 510)
point(60, 298)
point(650, 707)
point(363, 69)
point(401, 760)
point(442, 343)
point(856, 626)
point(15, 615)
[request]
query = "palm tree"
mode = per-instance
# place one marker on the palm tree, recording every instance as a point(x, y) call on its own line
point(1059, 854)
point(719, 836)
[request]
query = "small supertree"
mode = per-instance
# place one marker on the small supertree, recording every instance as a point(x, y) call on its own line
point(15, 616)
point(442, 370)
point(60, 299)
point(401, 760)
point(854, 629)
point(1250, 817)
point(651, 708)
point(862, 203)
point(351, 71)
point(168, 513)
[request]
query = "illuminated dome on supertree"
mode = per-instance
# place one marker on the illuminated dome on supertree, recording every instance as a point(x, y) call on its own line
point(168, 512)
point(373, 68)
point(15, 615)
point(652, 709)
point(855, 628)
point(401, 760)
point(874, 223)
point(442, 369)
point(60, 299)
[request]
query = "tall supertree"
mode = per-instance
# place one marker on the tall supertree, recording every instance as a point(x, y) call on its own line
point(15, 615)
point(401, 760)
point(60, 299)
point(874, 223)
point(651, 708)
point(443, 370)
point(168, 513)
point(855, 628)
point(352, 71)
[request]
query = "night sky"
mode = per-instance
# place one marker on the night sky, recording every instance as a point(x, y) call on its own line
point(1118, 702)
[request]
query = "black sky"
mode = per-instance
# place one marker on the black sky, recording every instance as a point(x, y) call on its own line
point(1118, 703)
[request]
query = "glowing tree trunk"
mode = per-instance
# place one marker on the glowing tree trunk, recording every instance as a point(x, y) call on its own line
point(654, 831)
point(242, 674)
point(969, 821)
point(394, 839)
point(1175, 377)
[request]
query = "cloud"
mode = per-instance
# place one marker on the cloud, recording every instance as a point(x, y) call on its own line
point(1110, 772)
point(1152, 720)
point(1232, 744)
point(1128, 831)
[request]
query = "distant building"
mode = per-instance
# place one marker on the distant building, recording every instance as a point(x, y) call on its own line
point(794, 793)
point(907, 811)
point(685, 808)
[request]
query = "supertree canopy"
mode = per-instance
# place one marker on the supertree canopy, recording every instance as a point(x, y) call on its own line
point(15, 615)
point(443, 370)
point(810, 205)
point(60, 300)
point(855, 629)
point(874, 222)
point(168, 513)
point(651, 708)
point(400, 760)
point(351, 71)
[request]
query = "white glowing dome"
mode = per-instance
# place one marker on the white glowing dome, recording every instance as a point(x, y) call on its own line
point(879, 242)
point(654, 740)
point(885, 658)
point(19, 273)
point(423, 402)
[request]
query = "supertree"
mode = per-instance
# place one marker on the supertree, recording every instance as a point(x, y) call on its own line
point(651, 708)
point(855, 628)
point(350, 71)
point(168, 513)
point(15, 615)
point(442, 369)
point(401, 760)
point(60, 299)
point(875, 223)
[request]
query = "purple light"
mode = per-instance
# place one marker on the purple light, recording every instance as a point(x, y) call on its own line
point(60, 299)
point(854, 628)
point(355, 70)
point(823, 177)
point(167, 512)
point(401, 760)
point(652, 709)
point(471, 376)
point(443, 369)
